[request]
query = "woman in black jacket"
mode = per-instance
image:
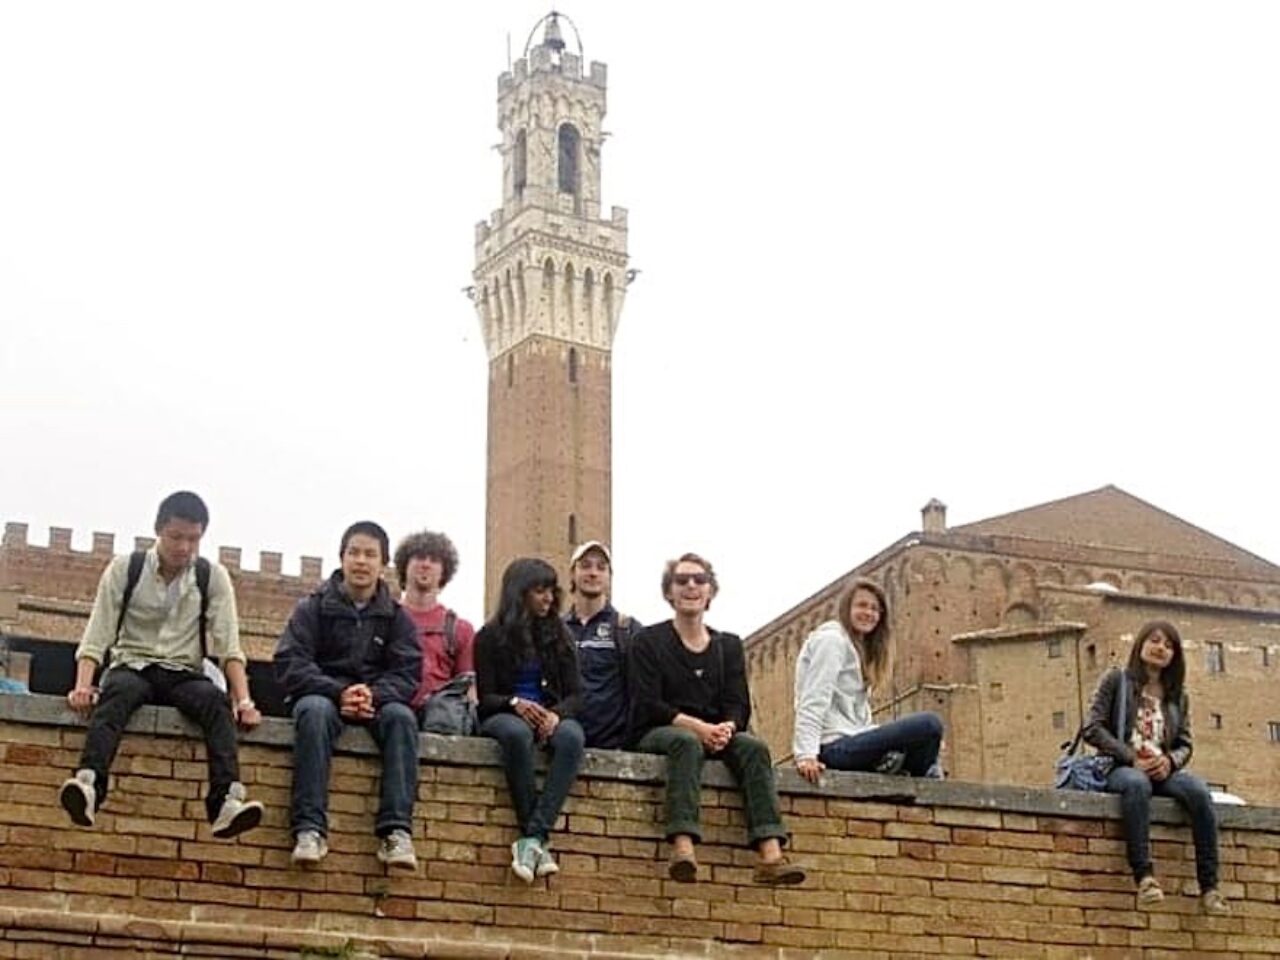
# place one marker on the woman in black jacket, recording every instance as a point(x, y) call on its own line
point(689, 701)
point(1150, 755)
point(527, 681)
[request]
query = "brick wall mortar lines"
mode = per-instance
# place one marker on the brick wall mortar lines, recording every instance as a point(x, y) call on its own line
point(898, 867)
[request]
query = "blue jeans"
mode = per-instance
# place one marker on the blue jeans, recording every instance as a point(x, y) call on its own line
point(316, 727)
point(536, 813)
point(1135, 789)
point(918, 736)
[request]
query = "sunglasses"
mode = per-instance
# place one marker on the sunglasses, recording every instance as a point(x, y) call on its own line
point(684, 579)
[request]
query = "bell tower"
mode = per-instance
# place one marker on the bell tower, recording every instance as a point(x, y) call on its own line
point(550, 277)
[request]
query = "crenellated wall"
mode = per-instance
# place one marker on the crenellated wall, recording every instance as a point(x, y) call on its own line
point(898, 868)
point(56, 584)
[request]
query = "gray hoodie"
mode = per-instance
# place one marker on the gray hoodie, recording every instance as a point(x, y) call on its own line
point(831, 695)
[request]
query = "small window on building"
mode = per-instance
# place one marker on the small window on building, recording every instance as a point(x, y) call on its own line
point(1091, 654)
point(520, 164)
point(573, 528)
point(573, 364)
point(1273, 731)
point(1059, 720)
point(1266, 655)
point(1055, 647)
point(1216, 720)
point(1216, 658)
point(568, 166)
point(997, 692)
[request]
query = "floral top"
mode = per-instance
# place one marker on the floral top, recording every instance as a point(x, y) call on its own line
point(1148, 728)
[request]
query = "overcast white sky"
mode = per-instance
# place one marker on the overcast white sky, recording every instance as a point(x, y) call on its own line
point(996, 253)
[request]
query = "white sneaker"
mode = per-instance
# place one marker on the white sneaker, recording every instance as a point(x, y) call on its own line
point(546, 862)
point(78, 797)
point(310, 847)
point(237, 814)
point(524, 858)
point(396, 850)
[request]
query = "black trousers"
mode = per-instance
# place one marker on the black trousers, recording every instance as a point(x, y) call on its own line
point(124, 690)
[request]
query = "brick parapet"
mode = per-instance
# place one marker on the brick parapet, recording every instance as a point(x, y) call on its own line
point(897, 867)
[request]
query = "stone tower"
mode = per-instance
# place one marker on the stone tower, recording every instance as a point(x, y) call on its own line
point(550, 277)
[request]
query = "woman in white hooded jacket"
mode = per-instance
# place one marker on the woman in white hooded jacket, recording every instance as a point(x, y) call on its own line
point(842, 662)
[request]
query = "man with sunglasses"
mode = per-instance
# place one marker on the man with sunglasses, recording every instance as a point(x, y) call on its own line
point(603, 637)
point(689, 701)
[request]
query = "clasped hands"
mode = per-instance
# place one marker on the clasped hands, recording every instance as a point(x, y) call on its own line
point(715, 736)
point(543, 721)
point(356, 702)
point(1157, 766)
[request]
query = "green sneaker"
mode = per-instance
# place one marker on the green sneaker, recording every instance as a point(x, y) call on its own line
point(524, 858)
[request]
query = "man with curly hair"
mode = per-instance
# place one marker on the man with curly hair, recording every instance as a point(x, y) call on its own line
point(426, 562)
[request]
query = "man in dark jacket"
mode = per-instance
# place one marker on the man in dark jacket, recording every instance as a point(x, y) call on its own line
point(350, 654)
point(603, 637)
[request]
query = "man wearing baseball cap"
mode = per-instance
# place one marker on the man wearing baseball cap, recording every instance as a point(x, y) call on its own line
point(603, 637)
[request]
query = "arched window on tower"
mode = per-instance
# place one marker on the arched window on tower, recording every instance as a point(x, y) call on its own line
point(573, 364)
point(573, 528)
point(570, 143)
point(520, 164)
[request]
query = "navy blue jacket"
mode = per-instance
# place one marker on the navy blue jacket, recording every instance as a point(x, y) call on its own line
point(328, 645)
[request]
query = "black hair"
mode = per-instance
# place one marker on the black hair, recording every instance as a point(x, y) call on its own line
point(183, 505)
point(517, 631)
point(369, 529)
point(427, 543)
point(1174, 675)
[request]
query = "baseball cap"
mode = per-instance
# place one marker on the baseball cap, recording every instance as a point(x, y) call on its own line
point(583, 548)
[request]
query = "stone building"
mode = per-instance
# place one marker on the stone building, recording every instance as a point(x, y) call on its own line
point(1004, 626)
point(550, 277)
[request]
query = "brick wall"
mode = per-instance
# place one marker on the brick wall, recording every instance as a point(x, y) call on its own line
point(898, 867)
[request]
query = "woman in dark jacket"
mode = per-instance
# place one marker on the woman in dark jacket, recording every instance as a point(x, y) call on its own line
point(689, 701)
point(1150, 755)
point(527, 681)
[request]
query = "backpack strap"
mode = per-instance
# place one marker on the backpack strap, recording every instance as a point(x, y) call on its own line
point(451, 636)
point(203, 572)
point(136, 560)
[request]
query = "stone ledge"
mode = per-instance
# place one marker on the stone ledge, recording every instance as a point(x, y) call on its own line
point(620, 765)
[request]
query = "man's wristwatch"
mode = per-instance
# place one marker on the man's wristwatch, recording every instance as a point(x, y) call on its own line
point(513, 702)
point(246, 704)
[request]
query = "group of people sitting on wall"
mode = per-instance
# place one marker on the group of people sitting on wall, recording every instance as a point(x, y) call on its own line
point(536, 680)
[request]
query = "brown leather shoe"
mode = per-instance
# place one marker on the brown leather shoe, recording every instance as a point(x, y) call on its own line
point(779, 873)
point(682, 867)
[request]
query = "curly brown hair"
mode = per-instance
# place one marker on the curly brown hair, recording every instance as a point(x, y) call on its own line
point(427, 543)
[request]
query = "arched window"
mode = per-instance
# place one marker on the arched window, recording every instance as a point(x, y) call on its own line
point(568, 167)
point(573, 364)
point(520, 164)
point(573, 528)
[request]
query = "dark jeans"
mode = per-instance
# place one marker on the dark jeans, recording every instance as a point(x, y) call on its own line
point(918, 736)
point(747, 758)
point(536, 813)
point(317, 725)
point(124, 690)
point(1135, 789)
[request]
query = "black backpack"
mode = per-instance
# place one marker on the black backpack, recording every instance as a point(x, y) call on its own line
point(203, 571)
